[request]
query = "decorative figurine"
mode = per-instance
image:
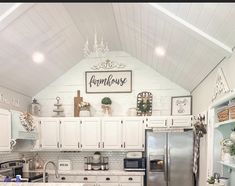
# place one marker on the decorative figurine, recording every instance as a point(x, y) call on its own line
point(35, 108)
point(59, 110)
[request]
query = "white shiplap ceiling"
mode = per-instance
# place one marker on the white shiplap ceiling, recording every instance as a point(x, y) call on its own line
point(196, 37)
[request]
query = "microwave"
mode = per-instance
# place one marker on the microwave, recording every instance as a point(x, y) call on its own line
point(134, 164)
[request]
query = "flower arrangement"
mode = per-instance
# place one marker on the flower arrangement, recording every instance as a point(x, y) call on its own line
point(84, 105)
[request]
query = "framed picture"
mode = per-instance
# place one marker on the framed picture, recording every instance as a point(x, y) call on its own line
point(181, 105)
point(108, 81)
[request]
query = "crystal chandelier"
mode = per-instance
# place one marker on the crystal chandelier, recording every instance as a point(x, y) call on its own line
point(99, 49)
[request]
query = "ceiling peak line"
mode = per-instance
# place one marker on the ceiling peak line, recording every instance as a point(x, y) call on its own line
point(207, 75)
point(192, 27)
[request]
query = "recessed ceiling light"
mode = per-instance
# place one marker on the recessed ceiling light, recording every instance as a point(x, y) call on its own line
point(160, 51)
point(38, 57)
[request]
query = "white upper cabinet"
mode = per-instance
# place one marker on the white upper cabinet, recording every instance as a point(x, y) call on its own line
point(181, 121)
point(5, 124)
point(156, 121)
point(133, 133)
point(69, 134)
point(112, 133)
point(90, 133)
point(49, 133)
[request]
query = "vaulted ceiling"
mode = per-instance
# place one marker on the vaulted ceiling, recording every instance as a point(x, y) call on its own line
point(196, 37)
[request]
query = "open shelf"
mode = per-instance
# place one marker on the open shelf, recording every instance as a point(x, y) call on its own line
point(227, 164)
point(224, 123)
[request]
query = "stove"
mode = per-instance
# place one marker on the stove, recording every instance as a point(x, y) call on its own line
point(10, 169)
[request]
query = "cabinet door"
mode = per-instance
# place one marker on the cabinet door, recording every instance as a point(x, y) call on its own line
point(156, 121)
point(90, 134)
point(111, 133)
point(69, 134)
point(5, 124)
point(181, 121)
point(49, 133)
point(131, 184)
point(133, 133)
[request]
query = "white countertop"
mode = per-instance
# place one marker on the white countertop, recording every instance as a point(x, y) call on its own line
point(95, 173)
point(40, 184)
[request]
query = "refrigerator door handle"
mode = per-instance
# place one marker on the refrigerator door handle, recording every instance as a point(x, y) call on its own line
point(165, 163)
point(168, 163)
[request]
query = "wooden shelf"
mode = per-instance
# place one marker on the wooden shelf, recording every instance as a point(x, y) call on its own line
point(224, 123)
point(227, 164)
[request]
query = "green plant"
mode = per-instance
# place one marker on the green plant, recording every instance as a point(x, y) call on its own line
point(144, 105)
point(211, 180)
point(106, 101)
point(232, 150)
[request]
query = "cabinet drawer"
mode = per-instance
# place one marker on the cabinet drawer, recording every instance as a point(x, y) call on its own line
point(107, 179)
point(130, 179)
point(65, 179)
point(86, 179)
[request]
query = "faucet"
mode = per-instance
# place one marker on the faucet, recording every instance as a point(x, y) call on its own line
point(44, 170)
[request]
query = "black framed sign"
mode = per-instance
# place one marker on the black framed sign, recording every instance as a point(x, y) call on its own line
point(181, 105)
point(108, 81)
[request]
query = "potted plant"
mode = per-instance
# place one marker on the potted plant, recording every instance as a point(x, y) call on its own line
point(106, 106)
point(232, 153)
point(211, 180)
point(232, 135)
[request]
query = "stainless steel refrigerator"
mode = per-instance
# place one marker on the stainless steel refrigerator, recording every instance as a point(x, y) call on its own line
point(169, 158)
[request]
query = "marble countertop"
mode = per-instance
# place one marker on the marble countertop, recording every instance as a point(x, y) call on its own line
point(96, 173)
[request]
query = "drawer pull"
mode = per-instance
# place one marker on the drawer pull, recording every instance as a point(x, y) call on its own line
point(130, 179)
point(63, 178)
point(107, 179)
point(85, 178)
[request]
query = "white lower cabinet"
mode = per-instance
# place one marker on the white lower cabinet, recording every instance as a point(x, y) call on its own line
point(99, 180)
point(5, 124)
point(130, 184)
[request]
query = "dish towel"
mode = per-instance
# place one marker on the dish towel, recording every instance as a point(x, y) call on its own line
point(196, 154)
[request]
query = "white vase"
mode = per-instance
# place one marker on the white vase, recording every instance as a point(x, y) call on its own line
point(85, 113)
point(232, 136)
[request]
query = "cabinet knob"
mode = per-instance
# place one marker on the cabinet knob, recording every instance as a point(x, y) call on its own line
point(130, 179)
point(107, 179)
point(63, 178)
point(85, 178)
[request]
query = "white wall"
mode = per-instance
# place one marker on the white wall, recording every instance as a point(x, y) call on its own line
point(13, 100)
point(144, 79)
point(202, 97)
point(205, 91)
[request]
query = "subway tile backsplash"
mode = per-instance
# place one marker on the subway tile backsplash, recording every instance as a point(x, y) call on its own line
point(77, 158)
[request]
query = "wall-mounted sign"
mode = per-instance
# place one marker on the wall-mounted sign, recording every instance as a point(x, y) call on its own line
point(108, 81)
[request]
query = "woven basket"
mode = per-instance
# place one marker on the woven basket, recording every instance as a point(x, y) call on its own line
point(232, 112)
point(223, 115)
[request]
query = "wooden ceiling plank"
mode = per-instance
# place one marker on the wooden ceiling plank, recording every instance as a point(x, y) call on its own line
point(192, 28)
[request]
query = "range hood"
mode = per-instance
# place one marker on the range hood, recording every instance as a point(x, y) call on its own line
point(18, 130)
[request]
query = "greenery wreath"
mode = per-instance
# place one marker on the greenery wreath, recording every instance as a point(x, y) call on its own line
point(144, 107)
